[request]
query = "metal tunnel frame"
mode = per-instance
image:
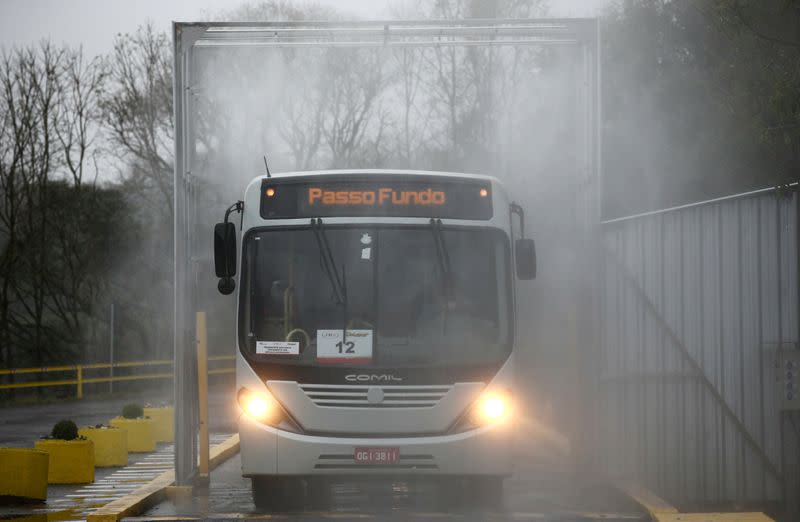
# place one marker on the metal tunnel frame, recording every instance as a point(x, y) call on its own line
point(187, 37)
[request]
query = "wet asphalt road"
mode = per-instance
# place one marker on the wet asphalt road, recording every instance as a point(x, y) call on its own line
point(539, 490)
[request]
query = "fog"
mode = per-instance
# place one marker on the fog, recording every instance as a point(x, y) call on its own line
point(647, 347)
point(514, 112)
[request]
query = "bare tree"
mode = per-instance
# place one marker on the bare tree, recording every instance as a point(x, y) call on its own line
point(138, 110)
point(51, 227)
point(79, 125)
point(38, 74)
point(18, 110)
point(353, 80)
point(303, 112)
point(415, 121)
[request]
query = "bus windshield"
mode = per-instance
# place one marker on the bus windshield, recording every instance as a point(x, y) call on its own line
point(376, 296)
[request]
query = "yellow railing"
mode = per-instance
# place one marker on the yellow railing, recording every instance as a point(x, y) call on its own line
point(80, 380)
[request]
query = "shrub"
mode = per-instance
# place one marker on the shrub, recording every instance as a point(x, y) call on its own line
point(65, 430)
point(133, 411)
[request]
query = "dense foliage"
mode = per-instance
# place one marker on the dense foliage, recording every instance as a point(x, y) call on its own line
point(133, 411)
point(65, 430)
point(701, 99)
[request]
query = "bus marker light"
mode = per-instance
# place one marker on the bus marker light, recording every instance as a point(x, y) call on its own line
point(270, 192)
point(484, 192)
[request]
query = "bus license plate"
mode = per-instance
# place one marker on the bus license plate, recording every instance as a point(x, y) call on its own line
point(377, 455)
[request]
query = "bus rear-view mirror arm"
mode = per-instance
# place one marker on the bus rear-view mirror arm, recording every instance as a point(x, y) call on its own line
point(225, 251)
point(524, 248)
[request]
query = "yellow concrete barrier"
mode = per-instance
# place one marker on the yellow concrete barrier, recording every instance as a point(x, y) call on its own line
point(164, 422)
point(110, 445)
point(71, 461)
point(24, 473)
point(140, 433)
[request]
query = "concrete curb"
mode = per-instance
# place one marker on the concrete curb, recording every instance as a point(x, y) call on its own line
point(155, 490)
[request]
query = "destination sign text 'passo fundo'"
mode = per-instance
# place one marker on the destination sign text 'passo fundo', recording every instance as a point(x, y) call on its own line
point(380, 196)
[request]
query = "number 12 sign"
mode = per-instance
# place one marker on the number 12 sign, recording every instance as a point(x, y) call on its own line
point(355, 347)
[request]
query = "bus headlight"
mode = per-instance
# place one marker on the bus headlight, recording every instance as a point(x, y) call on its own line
point(492, 407)
point(261, 407)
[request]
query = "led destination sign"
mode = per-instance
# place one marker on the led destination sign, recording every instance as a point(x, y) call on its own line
point(455, 198)
point(382, 196)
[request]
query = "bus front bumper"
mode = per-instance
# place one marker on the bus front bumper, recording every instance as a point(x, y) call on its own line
point(268, 451)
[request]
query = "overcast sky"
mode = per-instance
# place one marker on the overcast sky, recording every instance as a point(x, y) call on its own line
point(93, 23)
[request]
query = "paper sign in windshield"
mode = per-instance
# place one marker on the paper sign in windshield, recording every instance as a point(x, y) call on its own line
point(277, 348)
point(354, 348)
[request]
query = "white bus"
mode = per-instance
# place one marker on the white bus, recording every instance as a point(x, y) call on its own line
point(375, 328)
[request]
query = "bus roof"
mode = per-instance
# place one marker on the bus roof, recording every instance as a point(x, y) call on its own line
point(379, 172)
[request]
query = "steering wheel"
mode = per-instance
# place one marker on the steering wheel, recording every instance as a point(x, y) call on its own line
point(299, 331)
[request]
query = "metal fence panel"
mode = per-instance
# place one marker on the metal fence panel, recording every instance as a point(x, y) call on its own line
point(698, 301)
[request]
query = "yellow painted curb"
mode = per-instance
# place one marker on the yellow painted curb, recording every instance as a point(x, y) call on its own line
point(136, 502)
point(662, 511)
point(71, 461)
point(110, 445)
point(155, 490)
point(223, 451)
point(24, 473)
point(141, 433)
point(715, 517)
point(651, 502)
point(164, 421)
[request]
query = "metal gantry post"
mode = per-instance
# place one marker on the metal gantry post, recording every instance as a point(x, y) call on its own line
point(183, 391)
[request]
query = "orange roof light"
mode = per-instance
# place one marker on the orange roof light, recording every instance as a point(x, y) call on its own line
point(270, 192)
point(484, 192)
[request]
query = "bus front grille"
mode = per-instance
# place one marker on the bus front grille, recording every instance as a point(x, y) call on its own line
point(364, 396)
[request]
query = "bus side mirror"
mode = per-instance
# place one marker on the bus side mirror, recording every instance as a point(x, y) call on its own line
point(225, 256)
point(525, 254)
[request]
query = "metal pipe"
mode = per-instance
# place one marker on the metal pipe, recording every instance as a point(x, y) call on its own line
point(699, 204)
point(722, 451)
point(367, 44)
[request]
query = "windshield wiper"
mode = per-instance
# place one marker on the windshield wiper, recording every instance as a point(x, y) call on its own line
point(328, 263)
point(444, 266)
point(338, 284)
point(444, 259)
